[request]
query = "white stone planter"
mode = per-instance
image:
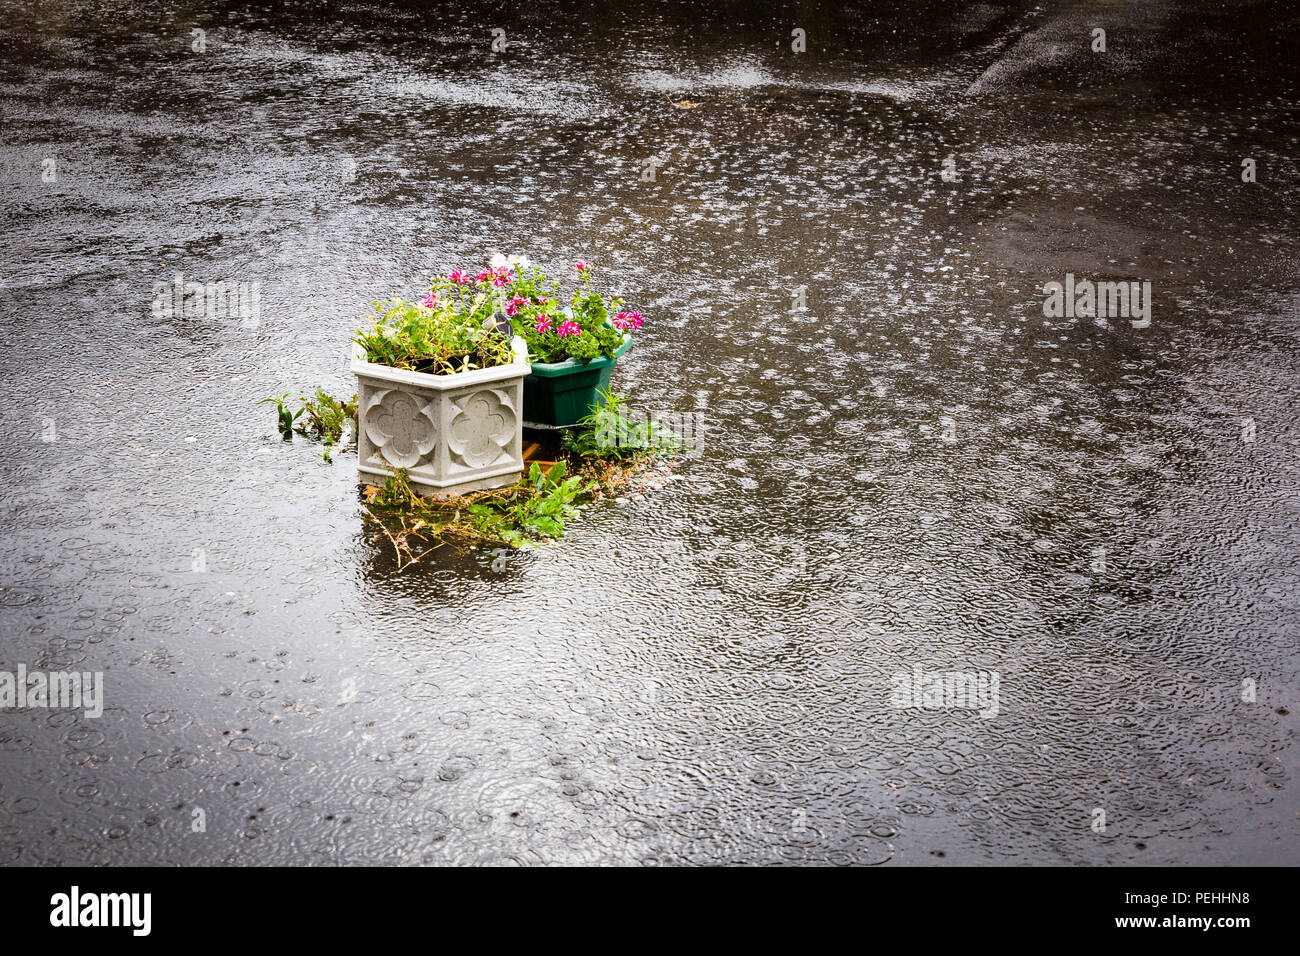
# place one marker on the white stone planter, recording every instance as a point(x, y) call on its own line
point(452, 433)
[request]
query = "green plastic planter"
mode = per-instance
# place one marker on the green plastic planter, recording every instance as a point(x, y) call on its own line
point(559, 393)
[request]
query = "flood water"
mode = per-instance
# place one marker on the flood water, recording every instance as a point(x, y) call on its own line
point(902, 461)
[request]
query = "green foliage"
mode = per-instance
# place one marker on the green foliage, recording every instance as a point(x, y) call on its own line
point(535, 508)
point(397, 492)
point(327, 418)
point(439, 339)
point(589, 309)
point(539, 512)
point(283, 414)
point(609, 434)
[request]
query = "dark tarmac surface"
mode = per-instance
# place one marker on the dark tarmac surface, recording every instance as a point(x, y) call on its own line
point(917, 467)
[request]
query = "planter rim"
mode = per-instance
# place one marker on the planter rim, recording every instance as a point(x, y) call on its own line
point(401, 376)
point(549, 369)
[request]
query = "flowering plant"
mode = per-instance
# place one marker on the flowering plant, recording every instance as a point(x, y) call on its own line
point(591, 325)
point(451, 328)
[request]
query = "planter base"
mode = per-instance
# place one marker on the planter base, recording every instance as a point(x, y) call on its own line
point(452, 433)
point(375, 476)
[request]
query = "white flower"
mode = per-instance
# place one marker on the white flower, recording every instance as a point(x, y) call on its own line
point(520, 262)
point(499, 261)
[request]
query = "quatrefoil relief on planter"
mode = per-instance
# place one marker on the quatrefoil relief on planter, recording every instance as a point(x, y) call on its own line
point(480, 427)
point(401, 426)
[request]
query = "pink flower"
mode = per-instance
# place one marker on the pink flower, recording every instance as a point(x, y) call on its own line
point(483, 276)
point(513, 305)
point(634, 318)
point(568, 328)
point(430, 300)
point(621, 322)
point(501, 277)
point(457, 276)
point(581, 266)
point(543, 324)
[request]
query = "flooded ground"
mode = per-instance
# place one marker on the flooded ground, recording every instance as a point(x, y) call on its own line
point(904, 462)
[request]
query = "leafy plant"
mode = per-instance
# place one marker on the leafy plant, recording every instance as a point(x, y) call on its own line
point(437, 336)
point(327, 417)
point(541, 513)
point(285, 416)
point(536, 507)
point(608, 433)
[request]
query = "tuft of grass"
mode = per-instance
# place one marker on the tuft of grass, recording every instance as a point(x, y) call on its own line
point(328, 418)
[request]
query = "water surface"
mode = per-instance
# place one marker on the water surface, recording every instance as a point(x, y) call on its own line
point(914, 466)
